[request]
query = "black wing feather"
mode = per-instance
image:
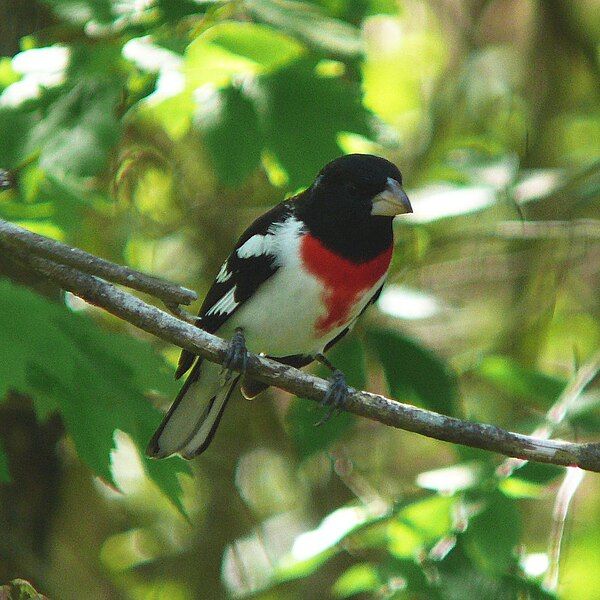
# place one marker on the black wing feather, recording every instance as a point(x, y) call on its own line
point(247, 274)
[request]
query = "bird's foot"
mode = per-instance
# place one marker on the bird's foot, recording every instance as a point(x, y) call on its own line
point(337, 392)
point(236, 358)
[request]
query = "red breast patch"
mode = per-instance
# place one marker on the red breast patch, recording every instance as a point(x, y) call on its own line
point(344, 280)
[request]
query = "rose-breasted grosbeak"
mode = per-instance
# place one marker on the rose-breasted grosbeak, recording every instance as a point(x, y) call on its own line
point(295, 284)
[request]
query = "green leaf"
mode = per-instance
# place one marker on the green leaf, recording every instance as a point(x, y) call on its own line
point(417, 55)
point(304, 114)
point(420, 524)
point(98, 381)
point(229, 49)
point(358, 579)
point(511, 378)
point(348, 356)
point(585, 415)
point(353, 11)
point(531, 480)
point(69, 201)
point(174, 113)
point(264, 46)
point(513, 487)
point(80, 128)
point(493, 534)
point(310, 25)
point(411, 578)
point(229, 124)
point(413, 373)
point(8, 75)
point(15, 128)
point(460, 577)
point(4, 470)
point(430, 517)
point(176, 9)
point(372, 579)
point(14, 349)
point(539, 472)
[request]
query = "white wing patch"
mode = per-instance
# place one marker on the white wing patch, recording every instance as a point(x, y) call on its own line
point(224, 274)
point(257, 245)
point(287, 235)
point(278, 240)
point(225, 306)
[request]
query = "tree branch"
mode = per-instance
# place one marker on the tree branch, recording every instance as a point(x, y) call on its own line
point(363, 404)
point(18, 237)
point(558, 411)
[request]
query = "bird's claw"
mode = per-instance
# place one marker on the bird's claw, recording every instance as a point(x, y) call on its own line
point(335, 397)
point(236, 358)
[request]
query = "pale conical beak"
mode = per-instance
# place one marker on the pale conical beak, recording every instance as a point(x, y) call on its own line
point(392, 201)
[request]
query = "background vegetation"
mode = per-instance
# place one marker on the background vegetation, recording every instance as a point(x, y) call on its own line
point(151, 133)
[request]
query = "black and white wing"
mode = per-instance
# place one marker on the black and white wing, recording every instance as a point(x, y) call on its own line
point(246, 268)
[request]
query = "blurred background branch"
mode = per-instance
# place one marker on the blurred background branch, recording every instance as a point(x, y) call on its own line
point(33, 244)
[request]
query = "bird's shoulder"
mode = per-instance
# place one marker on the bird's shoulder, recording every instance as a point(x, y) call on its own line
point(264, 224)
point(252, 261)
point(253, 256)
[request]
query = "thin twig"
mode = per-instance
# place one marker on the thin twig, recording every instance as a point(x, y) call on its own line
point(565, 494)
point(545, 230)
point(364, 404)
point(182, 314)
point(18, 237)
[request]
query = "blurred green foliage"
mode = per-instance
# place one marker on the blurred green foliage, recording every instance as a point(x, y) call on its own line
point(95, 380)
point(151, 132)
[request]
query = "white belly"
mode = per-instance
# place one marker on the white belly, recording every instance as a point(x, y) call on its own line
point(282, 317)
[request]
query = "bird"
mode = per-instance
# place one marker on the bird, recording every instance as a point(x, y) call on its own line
point(295, 283)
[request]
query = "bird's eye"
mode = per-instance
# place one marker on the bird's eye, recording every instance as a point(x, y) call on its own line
point(351, 187)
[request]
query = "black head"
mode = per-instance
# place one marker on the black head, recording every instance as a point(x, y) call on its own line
point(362, 186)
point(353, 200)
